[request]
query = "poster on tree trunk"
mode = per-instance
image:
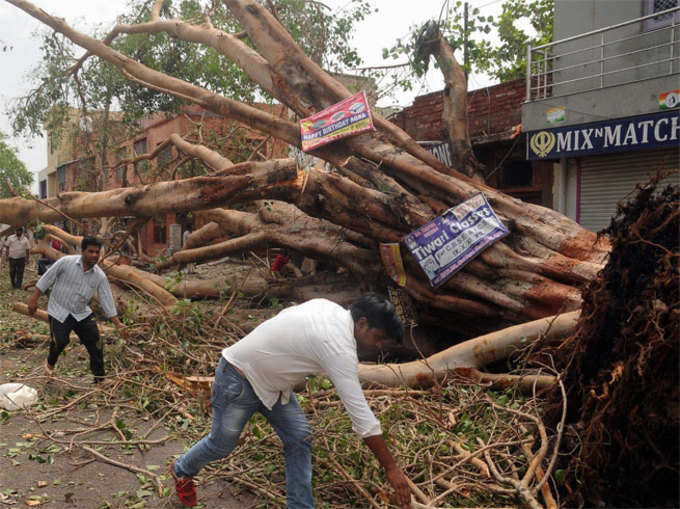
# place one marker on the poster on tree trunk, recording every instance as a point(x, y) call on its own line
point(444, 245)
point(349, 117)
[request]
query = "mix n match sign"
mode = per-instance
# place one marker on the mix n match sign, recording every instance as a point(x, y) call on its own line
point(346, 118)
point(444, 245)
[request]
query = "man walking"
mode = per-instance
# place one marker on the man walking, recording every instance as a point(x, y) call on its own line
point(258, 373)
point(17, 249)
point(74, 280)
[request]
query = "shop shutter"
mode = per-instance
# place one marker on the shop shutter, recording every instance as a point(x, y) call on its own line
point(608, 179)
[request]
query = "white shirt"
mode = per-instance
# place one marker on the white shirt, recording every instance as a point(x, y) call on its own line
point(73, 289)
point(314, 337)
point(17, 246)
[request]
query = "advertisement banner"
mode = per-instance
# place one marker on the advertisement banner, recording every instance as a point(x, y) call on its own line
point(444, 245)
point(403, 306)
point(346, 118)
point(390, 254)
point(617, 135)
point(441, 150)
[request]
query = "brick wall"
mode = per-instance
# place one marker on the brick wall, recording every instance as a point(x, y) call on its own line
point(490, 111)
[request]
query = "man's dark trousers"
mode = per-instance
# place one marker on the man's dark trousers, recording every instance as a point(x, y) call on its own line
point(16, 271)
point(88, 333)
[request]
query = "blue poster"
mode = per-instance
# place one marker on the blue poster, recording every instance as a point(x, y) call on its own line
point(444, 245)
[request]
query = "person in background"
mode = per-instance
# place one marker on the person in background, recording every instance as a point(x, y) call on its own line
point(258, 373)
point(185, 237)
point(17, 250)
point(74, 280)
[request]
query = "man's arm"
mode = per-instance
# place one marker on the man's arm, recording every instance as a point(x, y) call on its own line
point(109, 306)
point(33, 301)
point(120, 326)
point(342, 372)
point(394, 475)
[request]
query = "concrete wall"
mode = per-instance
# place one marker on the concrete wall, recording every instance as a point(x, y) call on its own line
point(614, 102)
point(573, 17)
point(621, 94)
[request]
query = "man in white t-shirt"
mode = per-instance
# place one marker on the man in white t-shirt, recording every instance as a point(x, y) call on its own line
point(258, 374)
point(17, 249)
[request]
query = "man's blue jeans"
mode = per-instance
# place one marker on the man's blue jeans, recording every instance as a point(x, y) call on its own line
point(234, 402)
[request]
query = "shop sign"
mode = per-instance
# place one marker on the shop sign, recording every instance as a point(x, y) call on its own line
point(349, 117)
point(444, 245)
point(615, 135)
point(441, 150)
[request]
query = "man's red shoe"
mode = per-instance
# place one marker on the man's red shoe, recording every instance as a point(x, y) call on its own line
point(185, 488)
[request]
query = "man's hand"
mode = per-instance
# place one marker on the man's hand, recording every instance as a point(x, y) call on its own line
point(121, 327)
point(32, 305)
point(33, 301)
point(399, 483)
point(394, 475)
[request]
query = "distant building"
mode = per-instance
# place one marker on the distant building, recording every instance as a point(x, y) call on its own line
point(42, 184)
point(73, 166)
point(601, 102)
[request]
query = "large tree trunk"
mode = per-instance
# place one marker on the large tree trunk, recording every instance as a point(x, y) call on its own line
point(383, 186)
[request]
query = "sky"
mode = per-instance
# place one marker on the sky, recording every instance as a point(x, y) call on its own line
point(17, 29)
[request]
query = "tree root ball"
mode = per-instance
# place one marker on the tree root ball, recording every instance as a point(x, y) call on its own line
point(622, 365)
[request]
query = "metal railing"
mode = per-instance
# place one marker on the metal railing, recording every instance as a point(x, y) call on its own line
point(590, 61)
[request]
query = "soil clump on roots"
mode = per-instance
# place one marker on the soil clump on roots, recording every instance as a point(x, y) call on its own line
point(621, 367)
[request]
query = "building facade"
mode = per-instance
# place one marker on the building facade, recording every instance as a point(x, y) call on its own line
point(73, 164)
point(602, 102)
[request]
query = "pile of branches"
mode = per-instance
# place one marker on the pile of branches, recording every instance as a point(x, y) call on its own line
point(459, 443)
point(622, 364)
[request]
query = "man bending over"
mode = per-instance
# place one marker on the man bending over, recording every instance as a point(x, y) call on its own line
point(258, 373)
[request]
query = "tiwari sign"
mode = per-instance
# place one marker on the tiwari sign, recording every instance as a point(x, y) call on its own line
point(444, 245)
point(616, 135)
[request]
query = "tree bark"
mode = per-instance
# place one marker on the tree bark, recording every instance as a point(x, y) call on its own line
point(474, 353)
point(384, 185)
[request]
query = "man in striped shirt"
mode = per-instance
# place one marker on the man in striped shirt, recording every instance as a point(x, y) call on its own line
point(74, 280)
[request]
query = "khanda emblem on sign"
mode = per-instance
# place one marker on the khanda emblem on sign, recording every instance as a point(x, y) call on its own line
point(542, 143)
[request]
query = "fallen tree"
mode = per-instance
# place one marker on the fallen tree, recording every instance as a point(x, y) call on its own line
point(383, 185)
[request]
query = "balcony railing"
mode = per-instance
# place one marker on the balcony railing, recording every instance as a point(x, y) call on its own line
point(614, 55)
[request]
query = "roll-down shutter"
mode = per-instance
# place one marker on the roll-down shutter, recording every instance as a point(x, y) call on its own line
point(608, 179)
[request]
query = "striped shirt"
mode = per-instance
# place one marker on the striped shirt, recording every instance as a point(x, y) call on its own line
point(313, 337)
point(73, 289)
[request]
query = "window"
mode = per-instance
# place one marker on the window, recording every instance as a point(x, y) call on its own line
point(140, 149)
point(164, 156)
point(61, 178)
point(43, 189)
point(652, 6)
point(121, 154)
point(160, 231)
